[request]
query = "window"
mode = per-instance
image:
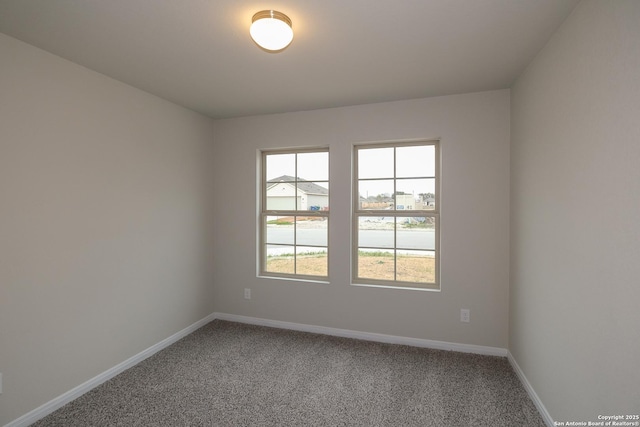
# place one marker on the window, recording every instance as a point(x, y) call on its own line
point(396, 214)
point(294, 214)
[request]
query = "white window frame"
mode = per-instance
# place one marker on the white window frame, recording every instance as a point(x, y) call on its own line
point(358, 213)
point(264, 213)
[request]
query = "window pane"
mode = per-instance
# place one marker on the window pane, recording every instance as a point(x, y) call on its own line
point(280, 259)
point(417, 161)
point(279, 230)
point(416, 233)
point(313, 166)
point(376, 194)
point(311, 261)
point(313, 196)
point(296, 242)
point(416, 266)
point(375, 162)
point(375, 232)
point(281, 196)
point(279, 165)
point(376, 264)
point(398, 246)
point(311, 231)
point(415, 194)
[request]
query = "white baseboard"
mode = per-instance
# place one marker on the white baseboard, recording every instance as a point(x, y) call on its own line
point(531, 392)
point(367, 336)
point(54, 404)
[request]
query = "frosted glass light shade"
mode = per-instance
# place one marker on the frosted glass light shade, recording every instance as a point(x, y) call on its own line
point(271, 30)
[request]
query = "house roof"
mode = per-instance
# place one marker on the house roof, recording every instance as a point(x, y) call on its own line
point(303, 185)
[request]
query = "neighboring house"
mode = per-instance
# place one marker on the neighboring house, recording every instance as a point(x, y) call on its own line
point(429, 200)
point(282, 194)
point(405, 202)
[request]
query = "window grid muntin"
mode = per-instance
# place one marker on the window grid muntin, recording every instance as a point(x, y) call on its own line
point(294, 213)
point(396, 248)
point(434, 213)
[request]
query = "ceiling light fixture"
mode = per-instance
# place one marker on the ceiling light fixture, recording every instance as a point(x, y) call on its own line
point(271, 30)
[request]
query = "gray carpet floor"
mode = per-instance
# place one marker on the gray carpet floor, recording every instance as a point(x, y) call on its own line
point(232, 374)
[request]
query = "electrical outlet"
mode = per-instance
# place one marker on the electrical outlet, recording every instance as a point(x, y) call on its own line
point(465, 315)
point(247, 293)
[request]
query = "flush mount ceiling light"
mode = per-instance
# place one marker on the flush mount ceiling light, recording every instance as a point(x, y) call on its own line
point(271, 30)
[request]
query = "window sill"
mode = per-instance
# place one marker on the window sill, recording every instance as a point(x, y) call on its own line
point(321, 281)
point(409, 288)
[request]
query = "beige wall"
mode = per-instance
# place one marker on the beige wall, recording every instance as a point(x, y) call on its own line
point(110, 197)
point(475, 219)
point(575, 206)
point(105, 203)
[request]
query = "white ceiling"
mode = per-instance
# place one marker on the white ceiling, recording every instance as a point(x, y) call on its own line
point(198, 53)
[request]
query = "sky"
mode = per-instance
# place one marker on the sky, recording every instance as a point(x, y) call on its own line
point(414, 168)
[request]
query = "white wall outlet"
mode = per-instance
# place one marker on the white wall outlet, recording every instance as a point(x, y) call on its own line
point(465, 315)
point(247, 293)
